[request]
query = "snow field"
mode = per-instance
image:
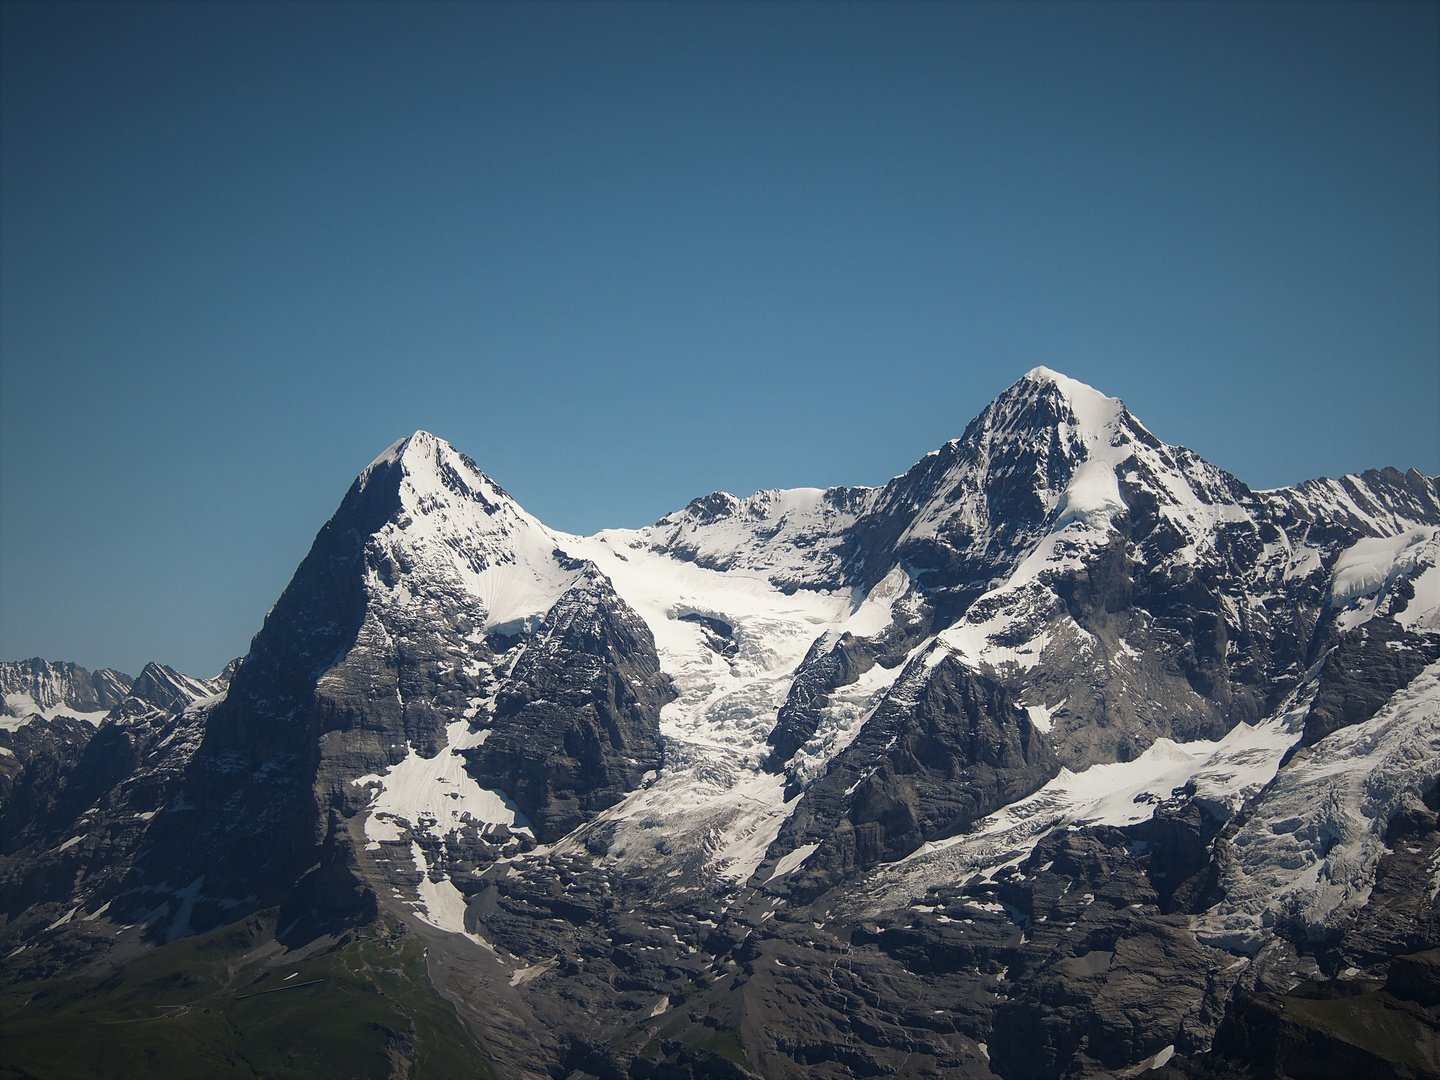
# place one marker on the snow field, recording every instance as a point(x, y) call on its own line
point(1309, 848)
point(23, 708)
point(435, 795)
point(711, 795)
point(1224, 773)
point(1365, 574)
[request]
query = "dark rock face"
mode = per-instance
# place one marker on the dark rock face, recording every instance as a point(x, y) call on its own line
point(82, 806)
point(248, 821)
point(576, 723)
point(1323, 1031)
point(1415, 978)
point(1044, 971)
point(1362, 673)
point(923, 768)
point(40, 757)
point(1101, 951)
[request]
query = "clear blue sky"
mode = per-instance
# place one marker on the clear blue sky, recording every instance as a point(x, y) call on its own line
point(626, 255)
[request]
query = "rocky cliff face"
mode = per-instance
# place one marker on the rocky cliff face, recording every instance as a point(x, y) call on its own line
point(576, 720)
point(80, 802)
point(1033, 762)
point(38, 687)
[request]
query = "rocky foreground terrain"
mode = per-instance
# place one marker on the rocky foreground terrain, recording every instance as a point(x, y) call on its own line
point(1064, 754)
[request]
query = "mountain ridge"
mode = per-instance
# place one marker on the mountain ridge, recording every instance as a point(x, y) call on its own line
point(583, 762)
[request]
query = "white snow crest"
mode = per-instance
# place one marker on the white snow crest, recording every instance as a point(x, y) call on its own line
point(21, 708)
point(1365, 574)
point(1097, 417)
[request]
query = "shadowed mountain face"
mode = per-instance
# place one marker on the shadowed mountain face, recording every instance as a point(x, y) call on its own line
point(948, 777)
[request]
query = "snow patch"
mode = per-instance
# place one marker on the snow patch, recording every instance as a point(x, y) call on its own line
point(64, 918)
point(1365, 574)
point(1040, 716)
point(792, 859)
point(436, 795)
point(443, 904)
point(533, 971)
point(876, 611)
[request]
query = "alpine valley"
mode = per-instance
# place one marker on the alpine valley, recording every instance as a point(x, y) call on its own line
point(1064, 754)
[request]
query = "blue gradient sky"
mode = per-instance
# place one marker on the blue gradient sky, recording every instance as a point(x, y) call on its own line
point(625, 255)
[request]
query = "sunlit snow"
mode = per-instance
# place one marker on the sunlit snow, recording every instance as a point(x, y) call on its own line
point(435, 795)
point(1223, 774)
point(1309, 847)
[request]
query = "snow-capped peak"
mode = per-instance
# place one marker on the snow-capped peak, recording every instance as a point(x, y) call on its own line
point(430, 463)
point(1087, 414)
point(457, 523)
point(1073, 389)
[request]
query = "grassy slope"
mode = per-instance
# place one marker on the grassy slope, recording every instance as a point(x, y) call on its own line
point(182, 1011)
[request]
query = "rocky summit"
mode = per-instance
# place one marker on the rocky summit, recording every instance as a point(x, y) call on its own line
point(1064, 754)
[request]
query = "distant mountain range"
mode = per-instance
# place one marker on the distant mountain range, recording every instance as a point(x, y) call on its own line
point(1064, 754)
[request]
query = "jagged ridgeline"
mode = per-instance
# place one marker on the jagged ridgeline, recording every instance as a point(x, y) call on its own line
point(1064, 754)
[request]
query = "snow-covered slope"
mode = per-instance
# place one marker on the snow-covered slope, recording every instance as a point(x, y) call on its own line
point(1306, 855)
point(731, 642)
point(456, 524)
point(792, 538)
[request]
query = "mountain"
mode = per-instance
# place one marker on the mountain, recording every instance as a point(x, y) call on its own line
point(1063, 754)
point(38, 687)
